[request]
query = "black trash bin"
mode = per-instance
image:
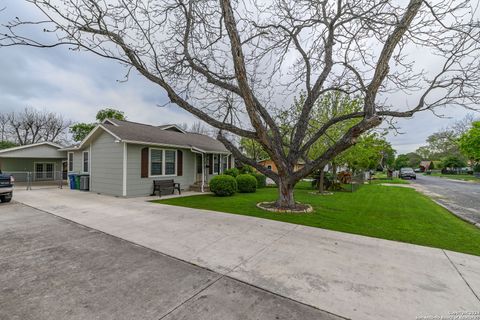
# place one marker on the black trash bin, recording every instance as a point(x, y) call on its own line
point(84, 182)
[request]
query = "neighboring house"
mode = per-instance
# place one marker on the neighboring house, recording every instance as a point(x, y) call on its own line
point(425, 165)
point(45, 160)
point(269, 164)
point(123, 158)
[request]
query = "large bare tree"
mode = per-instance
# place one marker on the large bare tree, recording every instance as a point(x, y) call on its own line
point(33, 126)
point(237, 64)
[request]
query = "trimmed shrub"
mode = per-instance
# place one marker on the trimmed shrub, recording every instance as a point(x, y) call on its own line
point(232, 172)
point(223, 185)
point(247, 169)
point(246, 183)
point(476, 168)
point(261, 180)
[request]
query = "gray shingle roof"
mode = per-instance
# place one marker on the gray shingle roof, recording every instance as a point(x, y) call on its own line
point(148, 134)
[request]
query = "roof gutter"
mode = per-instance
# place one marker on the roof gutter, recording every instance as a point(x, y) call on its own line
point(192, 148)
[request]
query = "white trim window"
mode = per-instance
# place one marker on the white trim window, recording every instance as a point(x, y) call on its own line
point(224, 163)
point(156, 162)
point(216, 163)
point(70, 161)
point(162, 162)
point(85, 162)
point(170, 157)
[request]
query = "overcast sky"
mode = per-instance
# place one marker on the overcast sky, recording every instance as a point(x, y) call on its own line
point(77, 85)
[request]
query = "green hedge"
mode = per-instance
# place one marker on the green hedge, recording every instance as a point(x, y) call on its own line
point(261, 180)
point(232, 172)
point(223, 185)
point(246, 183)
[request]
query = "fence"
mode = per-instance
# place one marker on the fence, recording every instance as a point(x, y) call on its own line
point(39, 180)
point(356, 182)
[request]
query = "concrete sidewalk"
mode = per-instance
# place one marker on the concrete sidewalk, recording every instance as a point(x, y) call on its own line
point(56, 269)
point(353, 276)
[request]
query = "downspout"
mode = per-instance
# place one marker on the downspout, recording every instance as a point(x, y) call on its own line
point(124, 178)
point(90, 168)
point(203, 174)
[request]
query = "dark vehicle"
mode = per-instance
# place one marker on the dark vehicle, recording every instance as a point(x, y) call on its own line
point(407, 173)
point(6, 187)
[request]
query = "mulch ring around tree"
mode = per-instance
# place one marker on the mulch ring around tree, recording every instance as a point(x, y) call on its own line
point(299, 208)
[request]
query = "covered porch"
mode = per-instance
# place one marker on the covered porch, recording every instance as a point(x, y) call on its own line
point(208, 165)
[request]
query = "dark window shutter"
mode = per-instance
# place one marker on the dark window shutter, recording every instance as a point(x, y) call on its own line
point(210, 163)
point(229, 161)
point(144, 165)
point(179, 163)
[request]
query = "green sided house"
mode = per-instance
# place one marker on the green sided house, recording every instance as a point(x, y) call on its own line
point(123, 158)
point(45, 161)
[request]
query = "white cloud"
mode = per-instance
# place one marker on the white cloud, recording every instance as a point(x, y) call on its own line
point(78, 91)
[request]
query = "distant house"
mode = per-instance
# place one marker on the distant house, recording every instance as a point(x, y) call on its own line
point(426, 165)
point(45, 160)
point(269, 164)
point(123, 158)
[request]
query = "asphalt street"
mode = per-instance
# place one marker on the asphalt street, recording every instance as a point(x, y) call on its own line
point(52, 268)
point(459, 196)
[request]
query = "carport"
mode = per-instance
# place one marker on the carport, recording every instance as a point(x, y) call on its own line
point(35, 163)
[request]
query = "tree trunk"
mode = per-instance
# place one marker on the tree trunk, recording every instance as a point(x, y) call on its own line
point(334, 171)
point(285, 195)
point(321, 180)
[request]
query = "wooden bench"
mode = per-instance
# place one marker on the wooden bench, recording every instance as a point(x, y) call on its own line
point(165, 185)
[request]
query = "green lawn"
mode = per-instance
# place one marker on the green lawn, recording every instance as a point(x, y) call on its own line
point(394, 213)
point(464, 177)
point(387, 180)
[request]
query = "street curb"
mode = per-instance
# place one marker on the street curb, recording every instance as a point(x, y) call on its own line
point(476, 224)
point(421, 190)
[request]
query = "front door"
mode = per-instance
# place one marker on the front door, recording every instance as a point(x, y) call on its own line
point(199, 168)
point(64, 170)
point(44, 171)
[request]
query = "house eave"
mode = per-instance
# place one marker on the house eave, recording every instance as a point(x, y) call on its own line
point(85, 140)
point(56, 145)
point(174, 146)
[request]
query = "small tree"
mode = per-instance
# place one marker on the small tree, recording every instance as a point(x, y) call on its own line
point(424, 152)
point(414, 159)
point(110, 113)
point(7, 144)
point(402, 161)
point(253, 149)
point(80, 130)
point(368, 153)
point(470, 143)
point(453, 162)
point(330, 105)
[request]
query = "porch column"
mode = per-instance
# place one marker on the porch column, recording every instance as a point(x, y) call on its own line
point(203, 172)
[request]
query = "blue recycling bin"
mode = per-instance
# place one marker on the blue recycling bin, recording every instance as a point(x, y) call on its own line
point(71, 180)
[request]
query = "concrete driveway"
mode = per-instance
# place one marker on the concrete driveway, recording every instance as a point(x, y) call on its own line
point(55, 269)
point(462, 197)
point(348, 275)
